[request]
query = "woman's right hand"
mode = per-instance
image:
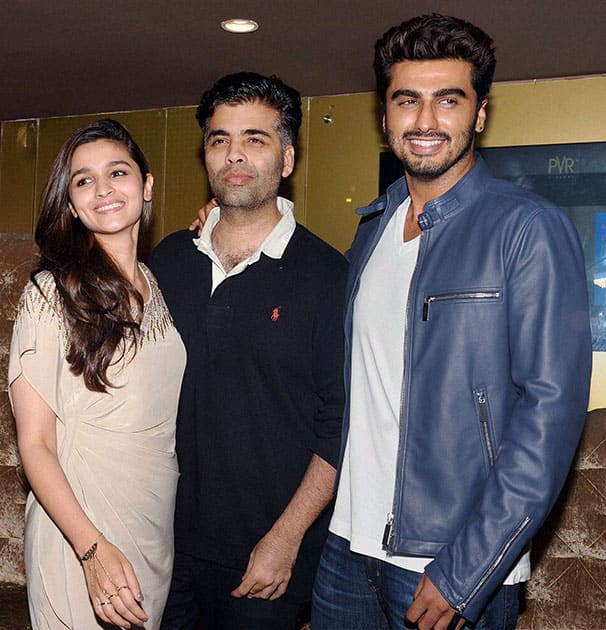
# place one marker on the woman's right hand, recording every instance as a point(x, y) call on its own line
point(113, 586)
point(203, 213)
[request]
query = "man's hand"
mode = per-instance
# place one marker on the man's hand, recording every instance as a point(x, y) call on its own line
point(203, 213)
point(429, 609)
point(271, 561)
point(269, 567)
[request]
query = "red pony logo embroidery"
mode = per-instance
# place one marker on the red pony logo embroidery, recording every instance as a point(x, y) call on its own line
point(275, 314)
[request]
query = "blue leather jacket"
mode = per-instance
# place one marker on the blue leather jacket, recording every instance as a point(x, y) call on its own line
point(497, 363)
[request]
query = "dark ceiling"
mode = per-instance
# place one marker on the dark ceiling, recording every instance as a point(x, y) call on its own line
point(61, 57)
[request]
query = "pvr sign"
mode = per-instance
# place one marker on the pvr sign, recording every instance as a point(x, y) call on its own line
point(560, 165)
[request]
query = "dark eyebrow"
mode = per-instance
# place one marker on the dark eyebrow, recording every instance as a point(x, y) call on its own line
point(246, 132)
point(450, 91)
point(217, 132)
point(256, 132)
point(403, 92)
point(437, 94)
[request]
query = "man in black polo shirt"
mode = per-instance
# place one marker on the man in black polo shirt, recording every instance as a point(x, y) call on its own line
point(258, 301)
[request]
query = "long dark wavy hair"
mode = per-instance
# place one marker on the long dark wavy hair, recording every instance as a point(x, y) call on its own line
point(95, 296)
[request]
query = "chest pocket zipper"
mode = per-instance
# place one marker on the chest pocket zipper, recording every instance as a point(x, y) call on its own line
point(485, 423)
point(461, 296)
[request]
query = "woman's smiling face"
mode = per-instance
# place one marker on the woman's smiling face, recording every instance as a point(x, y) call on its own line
point(106, 188)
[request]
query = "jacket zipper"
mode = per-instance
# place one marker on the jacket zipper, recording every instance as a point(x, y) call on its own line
point(463, 295)
point(484, 421)
point(388, 533)
point(491, 569)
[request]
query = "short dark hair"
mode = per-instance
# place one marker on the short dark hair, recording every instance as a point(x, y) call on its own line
point(436, 37)
point(248, 87)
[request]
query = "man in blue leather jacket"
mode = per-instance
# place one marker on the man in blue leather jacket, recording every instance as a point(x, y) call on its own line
point(468, 359)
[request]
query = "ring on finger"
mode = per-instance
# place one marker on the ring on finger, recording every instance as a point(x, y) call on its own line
point(120, 588)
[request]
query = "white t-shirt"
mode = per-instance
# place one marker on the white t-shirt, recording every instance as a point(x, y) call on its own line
point(367, 482)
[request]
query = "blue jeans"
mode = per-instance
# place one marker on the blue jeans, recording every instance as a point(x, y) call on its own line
point(356, 592)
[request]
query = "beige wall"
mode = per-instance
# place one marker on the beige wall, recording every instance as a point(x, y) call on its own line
point(337, 159)
point(170, 138)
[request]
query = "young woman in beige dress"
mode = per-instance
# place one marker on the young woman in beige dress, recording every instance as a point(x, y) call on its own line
point(95, 371)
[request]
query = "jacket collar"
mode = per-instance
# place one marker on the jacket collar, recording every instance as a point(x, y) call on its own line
point(441, 208)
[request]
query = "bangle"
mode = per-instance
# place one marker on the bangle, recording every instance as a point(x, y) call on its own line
point(92, 550)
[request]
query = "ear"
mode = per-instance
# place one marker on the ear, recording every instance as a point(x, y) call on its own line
point(481, 118)
point(71, 209)
point(288, 156)
point(383, 122)
point(147, 187)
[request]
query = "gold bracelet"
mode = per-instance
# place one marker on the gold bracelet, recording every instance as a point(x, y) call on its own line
point(92, 550)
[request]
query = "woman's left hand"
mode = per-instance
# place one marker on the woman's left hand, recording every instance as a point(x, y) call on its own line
point(113, 586)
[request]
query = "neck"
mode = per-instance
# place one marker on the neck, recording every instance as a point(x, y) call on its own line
point(129, 268)
point(241, 231)
point(123, 252)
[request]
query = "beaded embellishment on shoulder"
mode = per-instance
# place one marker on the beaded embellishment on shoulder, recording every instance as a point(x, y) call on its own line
point(45, 303)
point(41, 301)
point(156, 318)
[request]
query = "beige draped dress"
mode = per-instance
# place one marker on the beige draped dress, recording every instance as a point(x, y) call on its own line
point(117, 450)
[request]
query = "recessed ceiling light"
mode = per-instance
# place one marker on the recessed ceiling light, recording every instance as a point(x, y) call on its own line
point(239, 25)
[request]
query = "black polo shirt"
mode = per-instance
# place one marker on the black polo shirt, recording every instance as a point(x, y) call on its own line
point(262, 392)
